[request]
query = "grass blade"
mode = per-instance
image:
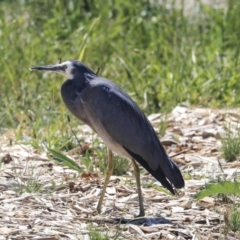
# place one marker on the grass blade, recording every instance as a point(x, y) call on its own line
point(225, 187)
point(64, 160)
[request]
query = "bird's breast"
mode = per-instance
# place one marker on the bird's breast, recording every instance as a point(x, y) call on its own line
point(72, 97)
point(108, 140)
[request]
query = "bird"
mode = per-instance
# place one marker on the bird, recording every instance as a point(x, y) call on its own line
point(119, 122)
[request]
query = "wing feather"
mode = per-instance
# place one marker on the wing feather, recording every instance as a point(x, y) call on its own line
point(123, 120)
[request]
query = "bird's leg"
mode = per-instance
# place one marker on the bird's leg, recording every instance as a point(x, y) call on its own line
point(109, 173)
point(137, 176)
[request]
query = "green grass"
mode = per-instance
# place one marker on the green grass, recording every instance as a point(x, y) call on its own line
point(224, 187)
point(229, 193)
point(158, 55)
point(66, 161)
point(231, 143)
point(162, 127)
point(235, 219)
point(95, 234)
point(27, 179)
point(120, 165)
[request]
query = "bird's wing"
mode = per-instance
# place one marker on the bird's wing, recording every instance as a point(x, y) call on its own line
point(127, 125)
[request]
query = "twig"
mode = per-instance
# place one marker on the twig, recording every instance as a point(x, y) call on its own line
point(176, 154)
point(98, 70)
point(74, 134)
point(100, 220)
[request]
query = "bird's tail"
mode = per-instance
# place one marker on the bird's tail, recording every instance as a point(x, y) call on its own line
point(175, 176)
point(170, 174)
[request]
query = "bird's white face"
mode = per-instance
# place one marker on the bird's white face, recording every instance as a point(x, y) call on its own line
point(64, 68)
point(67, 69)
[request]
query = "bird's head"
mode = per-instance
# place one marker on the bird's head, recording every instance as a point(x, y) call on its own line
point(70, 69)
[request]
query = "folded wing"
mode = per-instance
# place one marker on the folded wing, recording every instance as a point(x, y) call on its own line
point(122, 119)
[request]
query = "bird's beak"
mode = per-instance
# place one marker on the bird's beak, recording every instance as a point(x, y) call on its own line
point(53, 68)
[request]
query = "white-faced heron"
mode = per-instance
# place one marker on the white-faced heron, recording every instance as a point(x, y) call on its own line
point(117, 119)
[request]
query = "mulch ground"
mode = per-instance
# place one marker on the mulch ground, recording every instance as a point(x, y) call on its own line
point(42, 200)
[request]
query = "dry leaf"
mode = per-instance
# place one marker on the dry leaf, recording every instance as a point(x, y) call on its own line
point(209, 200)
point(187, 204)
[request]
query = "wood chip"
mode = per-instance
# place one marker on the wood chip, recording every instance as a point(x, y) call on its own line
point(65, 205)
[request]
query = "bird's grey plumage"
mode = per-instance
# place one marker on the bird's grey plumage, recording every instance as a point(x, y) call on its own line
point(118, 120)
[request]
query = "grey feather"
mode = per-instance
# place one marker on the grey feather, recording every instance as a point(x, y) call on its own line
point(119, 121)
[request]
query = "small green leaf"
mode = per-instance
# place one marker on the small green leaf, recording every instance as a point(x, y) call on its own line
point(223, 187)
point(87, 161)
point(64, 160)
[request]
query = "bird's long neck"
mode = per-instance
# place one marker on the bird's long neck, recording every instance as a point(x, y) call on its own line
point(90, 76)
point(82, 79)
point(88, 73)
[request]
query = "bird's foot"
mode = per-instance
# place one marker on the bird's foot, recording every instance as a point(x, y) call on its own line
point(141, 214)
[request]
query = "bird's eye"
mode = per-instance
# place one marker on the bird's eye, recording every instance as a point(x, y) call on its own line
point(64, 67)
